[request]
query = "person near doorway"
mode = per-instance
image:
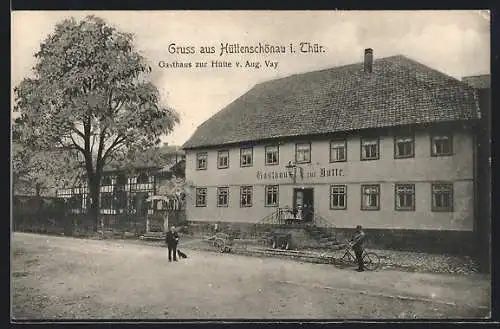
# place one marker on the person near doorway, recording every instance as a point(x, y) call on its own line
point(172, 239)
point(307, 213)
point(357, 242)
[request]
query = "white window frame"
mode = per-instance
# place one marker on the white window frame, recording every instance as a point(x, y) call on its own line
point(335, 190)
point(375, 187)
point(370, 141)
point(302, 152)
point(222, 191)
point(335, 147)
point(442, 187)
point(201, 191)
point(221, 155)
point(406, 189)
point(201, 156)
point(243, 156)
point(440, 137)
point(406, 139)
point(274, 149)
point(246, 193)
point(274, 189)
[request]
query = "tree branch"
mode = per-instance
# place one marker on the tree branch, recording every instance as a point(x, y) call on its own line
point(78, 132)
point(119, 139)
point(93, 143)
point(78, 147)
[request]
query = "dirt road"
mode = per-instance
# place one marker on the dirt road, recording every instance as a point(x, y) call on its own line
point(65, 278)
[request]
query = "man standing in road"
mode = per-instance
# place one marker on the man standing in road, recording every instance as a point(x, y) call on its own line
point(357, 245)
point(172, 239)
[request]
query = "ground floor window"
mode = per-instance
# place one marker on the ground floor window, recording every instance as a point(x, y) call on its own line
point(246, 196)
point(370, 197)
point(338, 197)
point(201, 197)
point(405, 197)
point(272, 195)
point(222, 196)
point(442, 197)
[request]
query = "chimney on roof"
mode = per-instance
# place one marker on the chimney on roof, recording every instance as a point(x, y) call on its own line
point(368, 60)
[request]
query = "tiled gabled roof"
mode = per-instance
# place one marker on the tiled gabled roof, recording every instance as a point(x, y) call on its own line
point(399, 91)
point(154, 158)
point(478, 81)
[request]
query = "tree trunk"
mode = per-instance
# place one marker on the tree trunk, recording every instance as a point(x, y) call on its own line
point(93, 213)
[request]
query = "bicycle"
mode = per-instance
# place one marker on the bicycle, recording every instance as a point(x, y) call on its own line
point(371, 261)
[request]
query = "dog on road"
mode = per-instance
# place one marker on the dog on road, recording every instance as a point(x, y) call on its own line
point(181, 254)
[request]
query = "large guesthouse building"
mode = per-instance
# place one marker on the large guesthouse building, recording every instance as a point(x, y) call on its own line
point(389, 144)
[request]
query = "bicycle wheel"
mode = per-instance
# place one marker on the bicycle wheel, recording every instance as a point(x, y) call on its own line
point(347, 259)
point(371, 261)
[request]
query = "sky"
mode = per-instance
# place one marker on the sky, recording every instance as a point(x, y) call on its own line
point(456, 43)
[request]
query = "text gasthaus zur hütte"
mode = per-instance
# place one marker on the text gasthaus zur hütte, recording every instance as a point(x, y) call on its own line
point(234, 49)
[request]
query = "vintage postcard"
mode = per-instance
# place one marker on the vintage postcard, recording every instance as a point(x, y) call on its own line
point(230, 165)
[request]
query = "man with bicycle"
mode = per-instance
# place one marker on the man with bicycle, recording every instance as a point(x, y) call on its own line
point(356, 244)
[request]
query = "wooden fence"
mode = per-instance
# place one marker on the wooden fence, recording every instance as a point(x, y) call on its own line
point(53, 216)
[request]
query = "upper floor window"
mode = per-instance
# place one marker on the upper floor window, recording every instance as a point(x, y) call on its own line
point(369, 148)
point(246, 157)
point(442, 197)
point(223, 159)
point(441, 144)
point(370, 197)
point(201, 161)
point(338, 151)
point(272, 155)
point(302, 152)
point(404, 147)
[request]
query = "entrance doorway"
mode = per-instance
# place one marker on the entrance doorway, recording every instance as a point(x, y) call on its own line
point(303, 203)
